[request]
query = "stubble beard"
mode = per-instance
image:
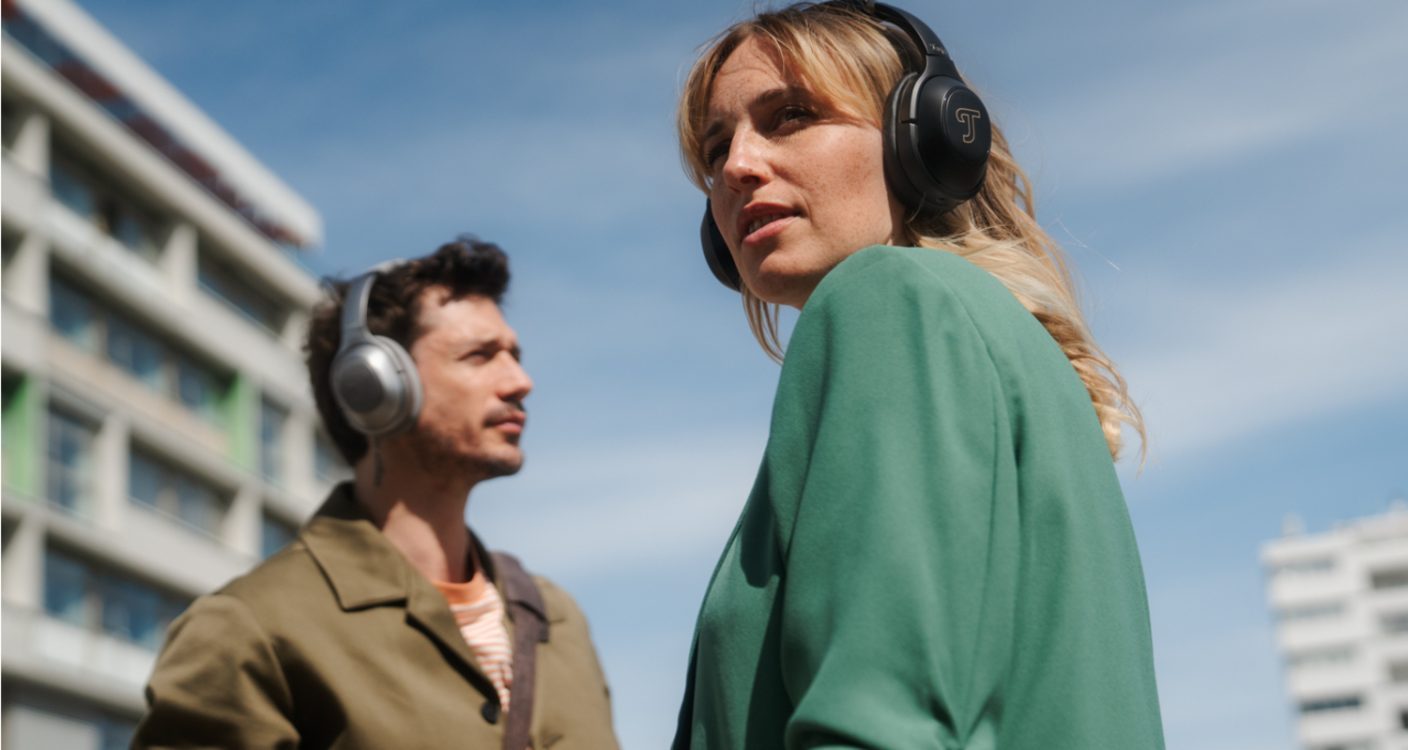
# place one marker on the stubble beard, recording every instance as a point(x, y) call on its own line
point(439, 455)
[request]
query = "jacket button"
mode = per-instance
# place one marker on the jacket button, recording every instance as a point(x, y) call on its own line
point(490, 712)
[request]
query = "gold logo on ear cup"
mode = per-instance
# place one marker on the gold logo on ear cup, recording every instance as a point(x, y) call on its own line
point(969, 117)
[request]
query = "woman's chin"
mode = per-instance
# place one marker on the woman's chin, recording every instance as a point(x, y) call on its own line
point(781, 288)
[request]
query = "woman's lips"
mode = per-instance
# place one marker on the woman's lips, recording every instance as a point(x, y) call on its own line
point(769, 229)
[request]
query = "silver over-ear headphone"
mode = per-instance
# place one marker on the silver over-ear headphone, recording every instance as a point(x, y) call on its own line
point(374, 379)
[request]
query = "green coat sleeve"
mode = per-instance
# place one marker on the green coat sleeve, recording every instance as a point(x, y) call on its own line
point(217, 683)
point(894, 479)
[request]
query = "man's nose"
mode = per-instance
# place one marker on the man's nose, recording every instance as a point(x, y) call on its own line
point(516, 385)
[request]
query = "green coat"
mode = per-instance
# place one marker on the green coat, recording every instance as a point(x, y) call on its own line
point(337, 642)
point(936, 552)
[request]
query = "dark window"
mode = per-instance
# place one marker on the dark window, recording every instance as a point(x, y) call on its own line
point(176, 493)
point(102, 600)
point(327, 463)
point(1396, 622)
point(127, 343)
point(1338, 703)
point(136, 351)
point(74, 315)
point(1317, 611)
point(11, 120)
point(1389, 579)
point(86, 191)
point(274, 535)
point(69, 462)
point(244, 294)
point(272, 419)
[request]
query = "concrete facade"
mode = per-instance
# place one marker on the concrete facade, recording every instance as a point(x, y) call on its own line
point(159, 436)
point(1340, 601)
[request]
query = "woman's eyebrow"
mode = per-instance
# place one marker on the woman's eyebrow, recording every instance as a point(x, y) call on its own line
point(765, 98)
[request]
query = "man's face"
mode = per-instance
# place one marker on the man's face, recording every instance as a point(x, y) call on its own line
point(473, 415)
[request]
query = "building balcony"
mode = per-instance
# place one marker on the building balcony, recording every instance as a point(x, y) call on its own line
point(56, 654)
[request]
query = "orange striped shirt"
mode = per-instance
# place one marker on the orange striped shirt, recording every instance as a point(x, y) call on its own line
point(479, 613)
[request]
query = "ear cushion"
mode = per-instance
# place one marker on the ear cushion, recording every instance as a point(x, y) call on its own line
point(375, 382)
point(937, 138)
point(908, 184)
point(716, 252)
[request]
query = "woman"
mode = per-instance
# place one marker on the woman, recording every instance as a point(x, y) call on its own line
point(936, 552)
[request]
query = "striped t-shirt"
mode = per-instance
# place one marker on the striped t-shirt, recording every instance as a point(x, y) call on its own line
point(479, 613)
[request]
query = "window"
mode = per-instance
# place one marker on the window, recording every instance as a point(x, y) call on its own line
point(11, 120)
point(80, 186)
point(244, 295)
point(13, 433)
point(1337, 703)
point(74, 315)
point(174, 492)
point(274, 535)
point(1389, 579)
point(1320, 657)
point(115, 734)
point(9, 246)
point(272, 418)
point(1306, 567)
point(95, 327)
point(1395, 623)
point(98, 599)
point(1398, 672)
point(1317, 611)
point(69, 463)
point(136, 351)
point(327, 462)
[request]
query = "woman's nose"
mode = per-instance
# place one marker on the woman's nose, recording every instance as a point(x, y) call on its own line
point(746, 164)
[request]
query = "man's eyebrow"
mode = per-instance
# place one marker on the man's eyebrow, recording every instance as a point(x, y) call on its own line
point(475, 343)
point(767, 97)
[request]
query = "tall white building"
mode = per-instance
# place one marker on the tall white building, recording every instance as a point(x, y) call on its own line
point(1340, 600)
point(159, 437)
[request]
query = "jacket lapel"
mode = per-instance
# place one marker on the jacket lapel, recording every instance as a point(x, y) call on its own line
point(364, 570)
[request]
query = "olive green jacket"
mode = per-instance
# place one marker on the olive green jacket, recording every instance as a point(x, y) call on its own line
point(936, 553)
point(337, 642)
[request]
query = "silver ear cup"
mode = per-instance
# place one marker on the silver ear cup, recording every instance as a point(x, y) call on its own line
point(376, 384)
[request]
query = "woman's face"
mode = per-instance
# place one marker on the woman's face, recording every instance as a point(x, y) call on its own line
point(796, 185)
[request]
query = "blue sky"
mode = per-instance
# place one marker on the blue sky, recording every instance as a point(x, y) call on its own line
point(1226, 175)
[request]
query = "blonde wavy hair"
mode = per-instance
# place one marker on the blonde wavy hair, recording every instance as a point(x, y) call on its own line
point(851, 61)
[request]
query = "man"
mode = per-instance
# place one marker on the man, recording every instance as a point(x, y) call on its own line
point(387, 624)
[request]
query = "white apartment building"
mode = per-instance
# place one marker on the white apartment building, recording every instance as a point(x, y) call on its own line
point(159, 436)
point(1340, 601)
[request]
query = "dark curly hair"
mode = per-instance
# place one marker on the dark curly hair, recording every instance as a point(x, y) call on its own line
point(464, 267)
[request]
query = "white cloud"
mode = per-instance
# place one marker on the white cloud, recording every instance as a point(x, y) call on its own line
point(1178, 108)
point(622, 505)
point(1238, 362)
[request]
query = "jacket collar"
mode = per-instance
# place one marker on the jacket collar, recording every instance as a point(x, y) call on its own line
point(365, 570)
point(361, 566)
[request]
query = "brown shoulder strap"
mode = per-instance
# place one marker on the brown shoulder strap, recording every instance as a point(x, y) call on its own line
point(530, 627)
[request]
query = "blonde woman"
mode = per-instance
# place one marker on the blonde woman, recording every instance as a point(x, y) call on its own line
point(936, 552)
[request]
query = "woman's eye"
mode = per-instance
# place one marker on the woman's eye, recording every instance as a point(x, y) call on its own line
point(716, 152)
point(792, 113)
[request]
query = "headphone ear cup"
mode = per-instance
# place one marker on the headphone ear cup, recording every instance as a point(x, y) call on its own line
point(937, 139)
point(900, 150)
point(375, 383)
point(716, 252)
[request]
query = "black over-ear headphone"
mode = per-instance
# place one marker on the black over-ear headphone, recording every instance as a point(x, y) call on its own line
point(937, 135)
point(374, 379)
